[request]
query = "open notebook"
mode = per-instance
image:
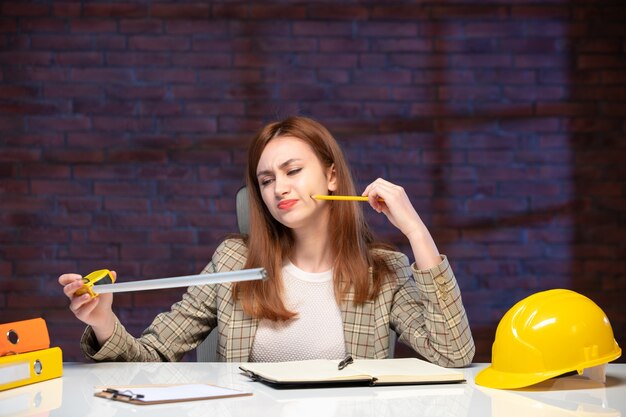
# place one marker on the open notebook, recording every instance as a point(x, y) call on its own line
point(365, 371)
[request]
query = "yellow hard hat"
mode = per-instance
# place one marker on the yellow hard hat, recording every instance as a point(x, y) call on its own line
point(548, 334)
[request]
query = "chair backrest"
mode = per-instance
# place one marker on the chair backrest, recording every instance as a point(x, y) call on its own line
point(243, 211)
point(207, 350)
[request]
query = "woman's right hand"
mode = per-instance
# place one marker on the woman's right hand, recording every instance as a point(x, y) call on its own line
point(96, 312)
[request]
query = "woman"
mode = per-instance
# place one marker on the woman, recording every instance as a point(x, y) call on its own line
point(331, 290)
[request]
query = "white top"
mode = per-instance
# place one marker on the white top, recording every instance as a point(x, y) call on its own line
point(317, 330)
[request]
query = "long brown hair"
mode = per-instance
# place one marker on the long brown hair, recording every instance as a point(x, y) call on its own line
point(270, 243)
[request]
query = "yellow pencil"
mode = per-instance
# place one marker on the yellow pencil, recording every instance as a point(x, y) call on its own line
point(342, 197)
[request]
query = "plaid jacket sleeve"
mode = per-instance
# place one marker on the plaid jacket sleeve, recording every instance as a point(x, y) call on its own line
point(428, 314)
point(175, 332)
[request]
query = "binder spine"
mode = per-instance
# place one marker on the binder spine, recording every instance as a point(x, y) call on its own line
point(23, 336)
point(31, 367)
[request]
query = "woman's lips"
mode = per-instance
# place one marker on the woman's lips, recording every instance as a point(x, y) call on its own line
point(286, 204)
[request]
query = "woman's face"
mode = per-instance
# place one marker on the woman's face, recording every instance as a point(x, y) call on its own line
point(289, 173)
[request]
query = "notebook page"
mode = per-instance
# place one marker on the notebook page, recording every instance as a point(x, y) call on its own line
point(406, 369)
point(304, 371)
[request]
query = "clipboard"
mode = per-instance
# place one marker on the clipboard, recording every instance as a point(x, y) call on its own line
point(166, 393)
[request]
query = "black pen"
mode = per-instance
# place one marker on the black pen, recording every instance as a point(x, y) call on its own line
point(347, 361)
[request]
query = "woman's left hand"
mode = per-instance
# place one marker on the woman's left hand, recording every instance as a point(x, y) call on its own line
point(395, 205)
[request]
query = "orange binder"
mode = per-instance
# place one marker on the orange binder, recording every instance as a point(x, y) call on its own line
point(23, 336)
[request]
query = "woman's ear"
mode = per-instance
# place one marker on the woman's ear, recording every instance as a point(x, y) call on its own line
point(331, 178)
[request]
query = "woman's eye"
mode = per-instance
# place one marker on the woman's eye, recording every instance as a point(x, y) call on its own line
point(266, 181)
point(294, 171)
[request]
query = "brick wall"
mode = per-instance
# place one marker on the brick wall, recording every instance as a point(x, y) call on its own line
point(123, 128)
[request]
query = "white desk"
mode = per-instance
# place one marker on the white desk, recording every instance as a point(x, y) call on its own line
point(72, 395)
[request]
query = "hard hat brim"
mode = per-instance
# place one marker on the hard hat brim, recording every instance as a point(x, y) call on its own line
point(492, 378)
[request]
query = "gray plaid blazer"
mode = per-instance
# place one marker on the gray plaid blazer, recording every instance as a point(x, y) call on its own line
point(423, 307)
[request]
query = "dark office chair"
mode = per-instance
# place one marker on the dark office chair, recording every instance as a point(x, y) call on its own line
point(207, 350)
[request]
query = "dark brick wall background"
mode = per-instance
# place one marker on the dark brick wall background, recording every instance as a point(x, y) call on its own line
point(123, 127)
